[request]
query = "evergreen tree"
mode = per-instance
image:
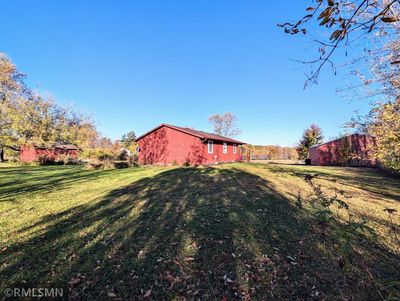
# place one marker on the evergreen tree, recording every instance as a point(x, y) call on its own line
point(311, 137)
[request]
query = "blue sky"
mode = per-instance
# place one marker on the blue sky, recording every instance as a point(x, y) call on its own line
point(136, 64)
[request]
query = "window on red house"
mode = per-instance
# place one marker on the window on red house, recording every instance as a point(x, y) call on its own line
point(225, 148)
point(210, 146)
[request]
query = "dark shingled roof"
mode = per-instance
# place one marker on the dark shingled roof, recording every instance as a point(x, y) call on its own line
point(199, 134)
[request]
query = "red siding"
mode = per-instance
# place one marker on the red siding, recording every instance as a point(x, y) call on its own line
point(330, 153)
point(166, 146)
point(218, 155)
point(27, 154)
point(31, 154)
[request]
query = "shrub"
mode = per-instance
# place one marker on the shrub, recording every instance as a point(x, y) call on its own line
point(62, 159)
point(45, 159)
point(105, 157)
point(94, 165)
point(121, 164)
point(124, 155)
point(98, 154)
point(107, 164)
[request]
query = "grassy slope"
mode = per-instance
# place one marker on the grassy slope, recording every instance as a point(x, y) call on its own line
point(185, 232)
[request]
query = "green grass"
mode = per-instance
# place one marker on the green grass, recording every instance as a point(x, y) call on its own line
point(196, 233)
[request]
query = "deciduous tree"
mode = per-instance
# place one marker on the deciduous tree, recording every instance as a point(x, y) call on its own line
point(128, 139)
point(383, 123)
point(12, 88)
point(374, 28)
point(348, 25)
point(27, 118)
point(224, 125)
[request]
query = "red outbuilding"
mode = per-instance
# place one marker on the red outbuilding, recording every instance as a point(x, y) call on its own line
point(33, 153)
point(169, 144)
point(352, 150)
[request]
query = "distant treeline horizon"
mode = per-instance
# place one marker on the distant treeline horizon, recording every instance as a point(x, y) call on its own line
point(272, 152)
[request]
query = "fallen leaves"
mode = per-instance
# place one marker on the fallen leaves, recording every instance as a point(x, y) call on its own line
point(227, 279)
point(76, 280)
point(258, 249)
point(147, 294)
point(140, 254)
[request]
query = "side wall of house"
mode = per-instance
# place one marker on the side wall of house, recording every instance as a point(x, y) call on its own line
point(185, 148)
point(53, 154)
point(313, 155)
point(218, 156)
point(354, 150)
point(166, 146)
point(31, 154)
point(27, 154)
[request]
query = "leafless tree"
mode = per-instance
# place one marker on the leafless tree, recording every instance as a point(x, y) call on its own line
point(224, 125)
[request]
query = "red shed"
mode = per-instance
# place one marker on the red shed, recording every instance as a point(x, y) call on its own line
point(352, 150)
point(32, 153)
point(168, 144)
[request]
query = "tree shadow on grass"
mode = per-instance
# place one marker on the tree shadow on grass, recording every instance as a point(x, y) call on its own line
point(193, 233)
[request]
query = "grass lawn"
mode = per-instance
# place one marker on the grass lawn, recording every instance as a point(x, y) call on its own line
point(233, 232)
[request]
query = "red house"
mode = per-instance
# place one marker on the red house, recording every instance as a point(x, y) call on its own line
point(169, 144)
point(352, 150)
point(32, 153)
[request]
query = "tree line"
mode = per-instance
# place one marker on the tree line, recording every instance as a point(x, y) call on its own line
point(28, 118)
point(271, 152)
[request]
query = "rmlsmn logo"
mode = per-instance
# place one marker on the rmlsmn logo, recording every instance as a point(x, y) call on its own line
point(34, 292)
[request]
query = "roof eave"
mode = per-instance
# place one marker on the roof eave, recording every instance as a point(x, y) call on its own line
point(171, 127)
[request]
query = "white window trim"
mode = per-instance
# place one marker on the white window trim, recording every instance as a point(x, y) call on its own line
point(234, 148)
point(210, 143)
point(225, 148)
